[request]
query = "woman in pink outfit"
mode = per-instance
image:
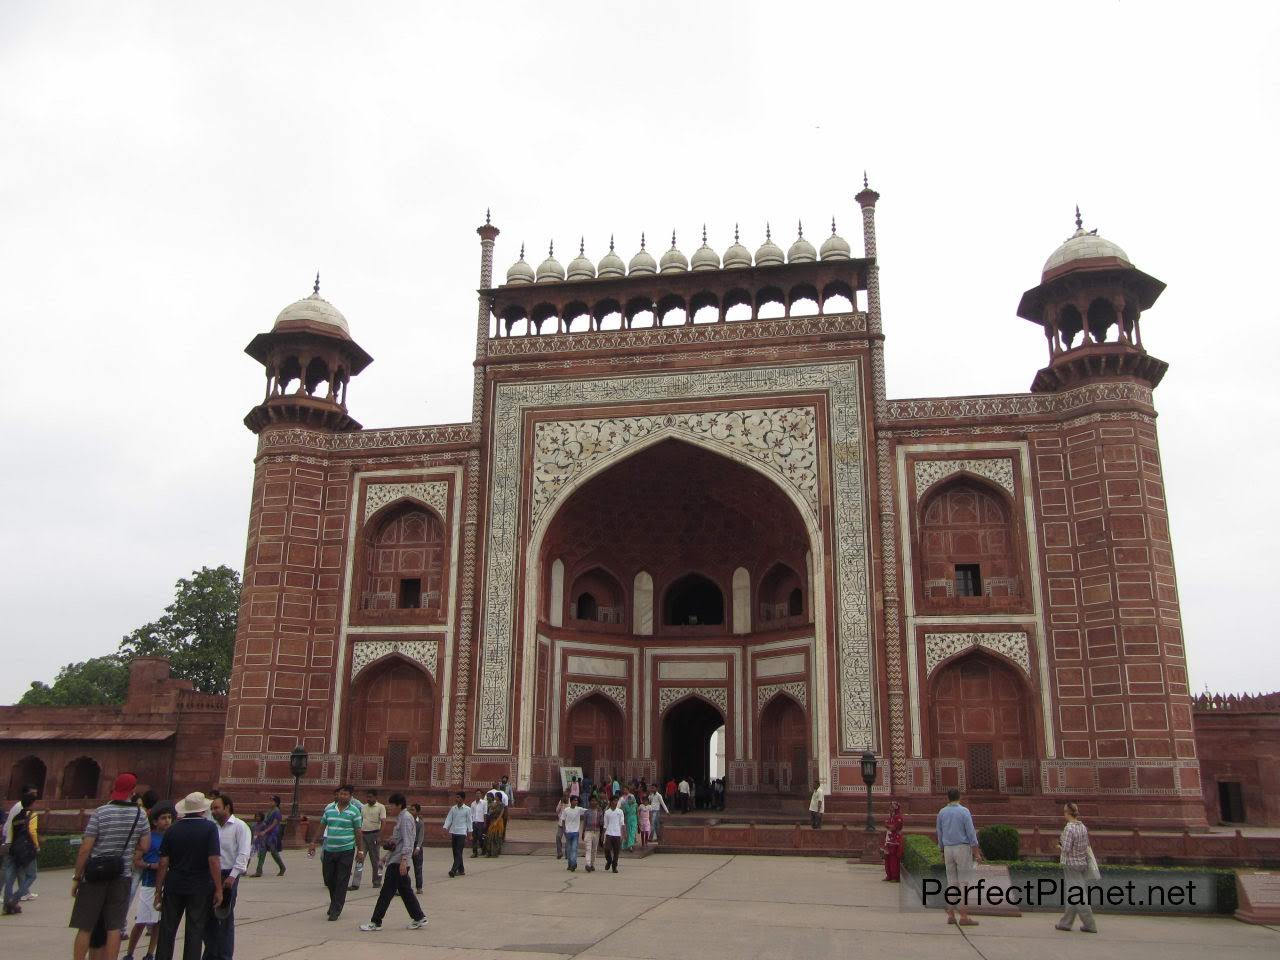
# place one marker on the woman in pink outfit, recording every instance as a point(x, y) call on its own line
point(644, 819)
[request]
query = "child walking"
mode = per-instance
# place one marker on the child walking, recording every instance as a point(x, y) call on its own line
point(148, 917)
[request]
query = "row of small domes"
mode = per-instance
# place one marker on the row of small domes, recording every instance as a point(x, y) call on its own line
point(770, 254)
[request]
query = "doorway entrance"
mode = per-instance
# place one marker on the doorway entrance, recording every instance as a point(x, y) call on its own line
point(687, 729)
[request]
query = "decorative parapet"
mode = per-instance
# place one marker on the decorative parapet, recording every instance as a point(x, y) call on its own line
point(1255, 702)
point(1015, 404)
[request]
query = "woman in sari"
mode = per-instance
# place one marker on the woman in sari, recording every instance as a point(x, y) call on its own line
point(630, 810)
point(496, 825)
point(892, 848)
point(268, 840)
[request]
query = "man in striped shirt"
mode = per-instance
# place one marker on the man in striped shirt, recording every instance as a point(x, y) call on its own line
point(340, 823)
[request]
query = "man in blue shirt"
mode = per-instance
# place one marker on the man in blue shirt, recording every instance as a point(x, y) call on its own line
point(958, 842)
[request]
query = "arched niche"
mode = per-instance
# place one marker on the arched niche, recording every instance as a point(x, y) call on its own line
point(980, 721)
point(693, 600)
point(80, 779)
point(593, 734)
point(402, 562)
point(392, 720)
point(969, 554)
point(642, 604)
point(596, 598)
point(30, 770)
point(784, 744)
point(781, 597)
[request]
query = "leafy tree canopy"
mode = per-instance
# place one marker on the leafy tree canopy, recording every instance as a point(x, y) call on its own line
point(197, 632)
point(87, 684)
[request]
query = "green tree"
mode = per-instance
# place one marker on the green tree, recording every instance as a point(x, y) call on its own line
point(197, 631)
point(89, 683)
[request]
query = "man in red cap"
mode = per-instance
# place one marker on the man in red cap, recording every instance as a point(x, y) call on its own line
point(100, 882)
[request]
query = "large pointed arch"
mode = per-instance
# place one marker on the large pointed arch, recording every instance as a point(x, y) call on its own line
point(600, 465)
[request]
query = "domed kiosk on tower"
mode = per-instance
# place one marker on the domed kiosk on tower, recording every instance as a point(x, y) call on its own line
point(309, 358)
point(1089, 301)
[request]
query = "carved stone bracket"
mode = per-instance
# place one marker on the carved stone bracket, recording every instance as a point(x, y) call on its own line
point(942, 646)
point(366, 652)
point(930, 472)
point(435, 494)
point(668, 696)
point(796, 688)
point(576, 691)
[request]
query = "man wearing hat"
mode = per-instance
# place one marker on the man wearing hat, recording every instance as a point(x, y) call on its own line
point(188, 878)
point(100, 883)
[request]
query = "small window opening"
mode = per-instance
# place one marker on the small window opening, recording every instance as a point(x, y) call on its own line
point(586, 607)
point(795, 603)
point(410, 593)
point(968, 580)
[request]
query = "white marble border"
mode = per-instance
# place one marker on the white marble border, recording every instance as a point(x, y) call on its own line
point(841, 381)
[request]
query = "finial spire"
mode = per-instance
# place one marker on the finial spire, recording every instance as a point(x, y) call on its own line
point(315, 290)
point(800, 229)
point(673, 238)
point(833, 225)
point(641, 239)
point(521, 249)
point(865, 184)
point(768, 234)
point(735, 233)
point(551, 250)
point(611, 243)
point(1079, 222)
point(582, 245)
point(486, 216)
point(704, 234)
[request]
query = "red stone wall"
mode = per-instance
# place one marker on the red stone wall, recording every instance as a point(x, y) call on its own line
point(1240, 743)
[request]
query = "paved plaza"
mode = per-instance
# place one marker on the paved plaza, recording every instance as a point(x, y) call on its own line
point(664, 907)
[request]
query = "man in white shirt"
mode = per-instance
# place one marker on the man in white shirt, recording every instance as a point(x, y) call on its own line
point(370, 839)
point(457, 822)
point(685, 790)
point(479, 817)
point(816, 804)
point(614, 821)
point(571, 821)
point(235, 842)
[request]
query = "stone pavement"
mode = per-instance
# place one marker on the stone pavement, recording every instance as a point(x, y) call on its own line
point(667, 906)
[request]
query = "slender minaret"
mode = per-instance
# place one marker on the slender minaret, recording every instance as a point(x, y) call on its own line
point(488, 233)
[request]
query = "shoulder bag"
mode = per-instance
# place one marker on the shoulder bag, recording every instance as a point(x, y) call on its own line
point(106, 866)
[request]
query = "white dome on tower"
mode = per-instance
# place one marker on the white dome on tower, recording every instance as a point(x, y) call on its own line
point(673, 261)
point(802, 250)
point(704, 258)
point(520, 271)
point(1083, 245)
point(611, 264)
point(313, 309)
point(769, 254)
point(835, 247)
point(580, 268)
point(642, 264)
point(549, 270)
point(737, 255)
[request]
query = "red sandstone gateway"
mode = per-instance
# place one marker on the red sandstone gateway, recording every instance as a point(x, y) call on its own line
point(685, 508)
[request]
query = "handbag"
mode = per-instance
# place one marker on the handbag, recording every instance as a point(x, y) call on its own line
point(1091, 872)
point(102, 868)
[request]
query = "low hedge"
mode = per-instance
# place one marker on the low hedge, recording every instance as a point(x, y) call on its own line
point(999, 841)
point(921, 856)
point(58, 850)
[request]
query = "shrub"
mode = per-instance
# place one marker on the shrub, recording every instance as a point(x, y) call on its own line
point(58, 851)
point(920, 855)
point(999, 842)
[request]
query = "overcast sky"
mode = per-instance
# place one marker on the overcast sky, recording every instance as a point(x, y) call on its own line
point(173, 174)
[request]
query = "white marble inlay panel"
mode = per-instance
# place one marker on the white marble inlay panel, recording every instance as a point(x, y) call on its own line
point(598, 666)
point(692, 670)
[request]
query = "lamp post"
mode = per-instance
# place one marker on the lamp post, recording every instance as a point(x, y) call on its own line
point(297, 766)
point(869, 778)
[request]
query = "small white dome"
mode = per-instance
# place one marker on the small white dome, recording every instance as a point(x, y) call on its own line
point(835, 247)
point(520, 271)
point(802, 250)
point(580, 268)
point(642, 264)
point(549, 270)
point(1083, 246)
point(737, 255)
point(313, 309)
point(611, 264)
point(704, 258)
point(769, 254)
point(673, 261)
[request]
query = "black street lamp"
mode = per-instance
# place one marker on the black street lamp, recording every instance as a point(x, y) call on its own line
point(869, 778)
point(297, 766)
